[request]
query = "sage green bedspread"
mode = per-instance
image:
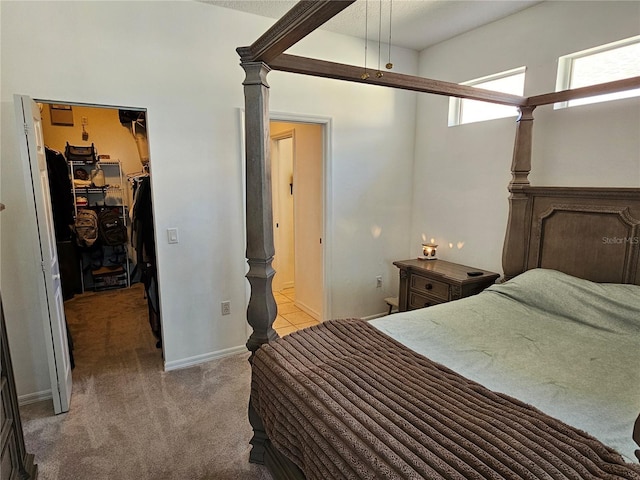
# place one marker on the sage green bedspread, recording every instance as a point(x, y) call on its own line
point(564, 345)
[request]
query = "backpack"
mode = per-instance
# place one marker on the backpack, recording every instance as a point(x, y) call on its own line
point(112, 228)
point(86, 227)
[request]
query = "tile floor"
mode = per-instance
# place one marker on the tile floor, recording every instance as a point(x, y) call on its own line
point(290, 318)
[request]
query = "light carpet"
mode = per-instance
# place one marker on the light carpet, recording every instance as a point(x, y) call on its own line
point(129, 419)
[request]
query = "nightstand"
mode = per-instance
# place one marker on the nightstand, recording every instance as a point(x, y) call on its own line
point(424, 283)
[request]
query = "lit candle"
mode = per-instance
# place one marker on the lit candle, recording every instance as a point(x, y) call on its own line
point(429, 250)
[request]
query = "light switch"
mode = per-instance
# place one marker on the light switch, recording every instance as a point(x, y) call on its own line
point(172, 235)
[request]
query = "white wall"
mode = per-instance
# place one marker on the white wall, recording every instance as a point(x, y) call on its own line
point(461, 173)
point(178, 60)
point(370, 174)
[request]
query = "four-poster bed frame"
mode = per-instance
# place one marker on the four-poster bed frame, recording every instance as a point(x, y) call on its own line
point(528, 206)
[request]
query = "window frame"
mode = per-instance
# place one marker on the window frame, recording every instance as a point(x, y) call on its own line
point(456, 104)
point(565, 70)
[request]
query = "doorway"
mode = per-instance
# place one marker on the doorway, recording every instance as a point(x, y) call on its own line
point(116, 181)
point(297, 162)
point(282, 155)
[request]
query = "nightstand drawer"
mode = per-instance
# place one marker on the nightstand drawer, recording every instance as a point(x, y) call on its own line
point(420, 301)
point(433, 288)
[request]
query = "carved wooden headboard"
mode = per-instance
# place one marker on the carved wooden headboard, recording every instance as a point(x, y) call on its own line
point(591, 233)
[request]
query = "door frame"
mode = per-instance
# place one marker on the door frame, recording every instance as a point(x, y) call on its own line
point(327, 197)
point(38, 212)
point(122, 107)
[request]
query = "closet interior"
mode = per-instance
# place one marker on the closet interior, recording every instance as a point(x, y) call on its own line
point(99, 177)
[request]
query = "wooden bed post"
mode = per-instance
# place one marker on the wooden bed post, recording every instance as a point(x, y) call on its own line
point(514, 252)
point(262, 308)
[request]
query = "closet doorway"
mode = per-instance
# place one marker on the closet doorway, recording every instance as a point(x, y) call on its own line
point(297, 162)
point(100, 279)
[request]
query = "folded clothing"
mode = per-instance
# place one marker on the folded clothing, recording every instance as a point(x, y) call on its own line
point(81, 183)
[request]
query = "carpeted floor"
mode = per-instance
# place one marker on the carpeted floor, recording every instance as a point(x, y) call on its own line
point(128, 418)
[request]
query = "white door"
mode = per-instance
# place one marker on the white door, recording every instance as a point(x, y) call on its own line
point(52, 303)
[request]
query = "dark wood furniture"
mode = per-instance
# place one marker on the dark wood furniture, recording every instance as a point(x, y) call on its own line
point(591, 233)
point(15, 462)
point(533, 237)
point(424, 283)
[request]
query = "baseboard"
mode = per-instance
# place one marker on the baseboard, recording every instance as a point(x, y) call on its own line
point(307, 310)
point(35, 397)
point(205, 357)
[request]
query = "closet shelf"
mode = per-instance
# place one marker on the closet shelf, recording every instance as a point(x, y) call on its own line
point(97, 190)
point(113, 259)
point(89, 164)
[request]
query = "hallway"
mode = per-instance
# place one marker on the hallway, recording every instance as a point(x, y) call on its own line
point(290, 318)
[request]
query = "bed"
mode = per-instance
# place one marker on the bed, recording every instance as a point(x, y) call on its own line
point(440, 392)
point(425, 394)
point(343, 400)
point(569, 346)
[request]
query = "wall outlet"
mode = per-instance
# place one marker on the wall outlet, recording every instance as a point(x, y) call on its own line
point(379, 281)
point(226, 307)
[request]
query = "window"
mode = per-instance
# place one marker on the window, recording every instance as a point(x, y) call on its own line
point(463, 111)
point(607, 63)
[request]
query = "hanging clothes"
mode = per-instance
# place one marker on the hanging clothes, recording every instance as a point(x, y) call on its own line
point(63, 210)
point(143, 240)
point(61, 194)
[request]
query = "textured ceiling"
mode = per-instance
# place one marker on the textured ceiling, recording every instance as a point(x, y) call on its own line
point(416, 24)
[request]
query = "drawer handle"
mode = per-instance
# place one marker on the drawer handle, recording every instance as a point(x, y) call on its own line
point(428, 286)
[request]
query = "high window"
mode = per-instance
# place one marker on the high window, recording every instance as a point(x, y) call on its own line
point(463, 111)
point(606, 63)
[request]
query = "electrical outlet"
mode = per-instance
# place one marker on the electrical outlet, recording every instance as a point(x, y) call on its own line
point(379, 281)
point(226, 307)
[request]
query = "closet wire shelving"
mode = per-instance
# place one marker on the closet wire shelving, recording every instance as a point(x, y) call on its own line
point(99, 194)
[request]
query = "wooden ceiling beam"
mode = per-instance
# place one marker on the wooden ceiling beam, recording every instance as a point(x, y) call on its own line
point(307, 15)
point(297, 23)
point(350, 73)
point(584, 92)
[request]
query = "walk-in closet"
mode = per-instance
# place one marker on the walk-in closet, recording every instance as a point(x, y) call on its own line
point(98, 161)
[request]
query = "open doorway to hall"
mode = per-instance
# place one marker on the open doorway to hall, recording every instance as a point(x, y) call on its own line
point(297, 175)
point(109, 279)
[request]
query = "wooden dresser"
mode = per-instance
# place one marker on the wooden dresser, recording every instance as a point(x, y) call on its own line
point(428, 282)
point(15, 463)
